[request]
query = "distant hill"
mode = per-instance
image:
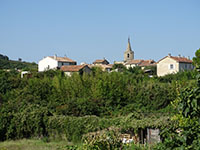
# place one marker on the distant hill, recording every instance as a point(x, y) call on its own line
point(5, 63)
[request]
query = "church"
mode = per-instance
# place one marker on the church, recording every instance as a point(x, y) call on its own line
point(128, 54)
point(129, 60)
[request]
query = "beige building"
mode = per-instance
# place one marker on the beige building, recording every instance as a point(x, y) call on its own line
point(141, 63)
point(171, 64)
point(101, 62)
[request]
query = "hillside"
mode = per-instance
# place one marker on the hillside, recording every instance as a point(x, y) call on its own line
point(5, 63)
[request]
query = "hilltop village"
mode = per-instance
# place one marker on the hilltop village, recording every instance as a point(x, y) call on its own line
point(167, 65)
point(89, 102)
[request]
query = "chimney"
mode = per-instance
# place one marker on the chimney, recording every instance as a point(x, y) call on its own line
point(55, 56)
point(179, 55)
point(169, 55)
point(188, 57)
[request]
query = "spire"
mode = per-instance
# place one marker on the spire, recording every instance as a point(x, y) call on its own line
point(128, 54)
point(129, 45)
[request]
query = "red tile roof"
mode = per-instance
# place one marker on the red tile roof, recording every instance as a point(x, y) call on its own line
point(147, 63)
point(108, 66)
point(178, 59)
point(62, 59)
point(72, 68)
point(181, 59)
point(100, 61)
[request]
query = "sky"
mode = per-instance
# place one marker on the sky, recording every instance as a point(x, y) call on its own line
point(86, 30)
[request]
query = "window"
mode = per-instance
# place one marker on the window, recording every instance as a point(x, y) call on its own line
point(171, 66)
point(127, 55)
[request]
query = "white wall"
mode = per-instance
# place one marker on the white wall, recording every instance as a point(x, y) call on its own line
point(130, 66)
point(47, 63)
point(69, 73)
point(163, 67)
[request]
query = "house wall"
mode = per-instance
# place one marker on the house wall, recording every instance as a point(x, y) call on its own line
point(47, 63)
point(68, 74)
point(130, 66)
point(105, 62)
point(163, 67)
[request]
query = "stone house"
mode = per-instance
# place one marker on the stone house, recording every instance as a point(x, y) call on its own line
point(171, 64)
point(54, 62)
point(101, 62)
point(147, 63)
point(69, 70)
point(139, 62)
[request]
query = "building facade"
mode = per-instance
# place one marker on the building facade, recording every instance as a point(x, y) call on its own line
point(171, 64)
point(54, 62)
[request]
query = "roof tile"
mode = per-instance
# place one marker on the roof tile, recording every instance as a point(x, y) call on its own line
point(72, 68)
point(62, 59)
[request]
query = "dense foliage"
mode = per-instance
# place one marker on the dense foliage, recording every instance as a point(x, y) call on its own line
point(50, 102)
point(185, 134)
point(196, 59)
point(5, 63)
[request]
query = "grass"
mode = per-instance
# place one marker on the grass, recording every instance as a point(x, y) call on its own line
point(31, 144)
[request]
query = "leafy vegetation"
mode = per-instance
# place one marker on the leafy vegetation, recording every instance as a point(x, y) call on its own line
point(185, 133)
point(196, 59)
point(51, 106)
point(5, 63)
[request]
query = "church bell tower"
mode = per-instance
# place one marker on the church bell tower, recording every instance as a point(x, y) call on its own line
point(128, 54)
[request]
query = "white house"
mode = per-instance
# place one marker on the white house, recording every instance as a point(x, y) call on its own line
point(171, 64)
point(54, 62)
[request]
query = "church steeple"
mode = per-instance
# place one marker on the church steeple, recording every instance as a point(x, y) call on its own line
point(129, 45)
point(128, 54)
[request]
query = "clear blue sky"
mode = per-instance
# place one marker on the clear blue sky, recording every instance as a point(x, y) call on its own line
point(86, 30)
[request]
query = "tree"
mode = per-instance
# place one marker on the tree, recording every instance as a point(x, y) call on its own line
point(185, 133)
point(196, 60)
point(119, 67)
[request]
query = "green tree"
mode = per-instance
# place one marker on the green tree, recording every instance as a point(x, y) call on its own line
point(185, 133)
point(196, 59)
